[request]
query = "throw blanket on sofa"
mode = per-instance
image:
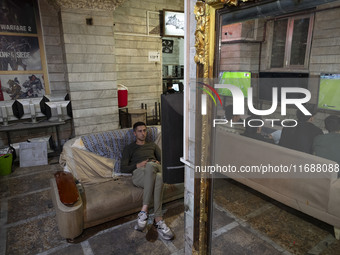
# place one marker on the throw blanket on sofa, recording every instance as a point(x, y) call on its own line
point(111, 144)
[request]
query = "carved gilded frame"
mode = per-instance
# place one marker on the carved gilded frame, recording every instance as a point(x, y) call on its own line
point(205, 31)
point(205, 46)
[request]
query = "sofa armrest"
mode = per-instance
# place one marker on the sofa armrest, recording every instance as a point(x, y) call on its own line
point(334, 199)
point(70, 219)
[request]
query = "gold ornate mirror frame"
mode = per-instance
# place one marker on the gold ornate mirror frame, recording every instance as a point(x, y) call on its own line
point(205, 45)
point(204, 34)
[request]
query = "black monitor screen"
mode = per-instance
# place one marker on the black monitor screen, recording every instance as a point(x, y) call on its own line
point(269, 80)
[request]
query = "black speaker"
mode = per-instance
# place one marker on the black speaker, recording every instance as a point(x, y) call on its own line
point(43, 105)
point(18, 109)
point(172, 138)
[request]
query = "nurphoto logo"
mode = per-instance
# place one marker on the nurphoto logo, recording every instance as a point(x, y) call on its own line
point(239, 104)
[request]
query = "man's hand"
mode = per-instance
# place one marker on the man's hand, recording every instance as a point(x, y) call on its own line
point(154, 160)
point(142, 164)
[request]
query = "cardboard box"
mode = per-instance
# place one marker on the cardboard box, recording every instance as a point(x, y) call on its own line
point(33, 154)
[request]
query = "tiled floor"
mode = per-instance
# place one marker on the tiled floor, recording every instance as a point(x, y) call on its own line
point(244, 222)
point(28, 224)
point(289, 231)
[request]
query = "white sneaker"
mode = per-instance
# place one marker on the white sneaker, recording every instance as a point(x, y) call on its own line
point(141, 221)
point(164, 231)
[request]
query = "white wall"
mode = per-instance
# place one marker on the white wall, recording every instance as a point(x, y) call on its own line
point(143, 78)
point(90, 58)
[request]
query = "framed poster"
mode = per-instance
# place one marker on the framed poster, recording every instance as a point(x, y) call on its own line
point(173, 23)
point(19, 86)
point(19, 53)
point(23, 70)
point(18, 16)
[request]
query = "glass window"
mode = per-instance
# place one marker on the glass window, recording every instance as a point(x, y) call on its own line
point(299, 41)
point(291, 42)
point(279, 43)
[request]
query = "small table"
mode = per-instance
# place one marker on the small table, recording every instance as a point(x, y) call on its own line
point(29, 125)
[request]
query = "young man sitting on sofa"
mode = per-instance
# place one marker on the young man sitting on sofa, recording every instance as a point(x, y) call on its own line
point(142, 159)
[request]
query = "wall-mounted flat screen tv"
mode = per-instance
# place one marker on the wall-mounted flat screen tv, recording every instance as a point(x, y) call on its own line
point(270, 80)
point(241, 80)
point(329, 92)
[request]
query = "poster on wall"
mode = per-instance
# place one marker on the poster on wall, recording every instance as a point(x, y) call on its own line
point(18, 16)
point(23, 71)
point(173, 23)
point(21, 86)
point(19, 53)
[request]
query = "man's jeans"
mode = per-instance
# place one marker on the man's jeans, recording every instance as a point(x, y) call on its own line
point(150, 179)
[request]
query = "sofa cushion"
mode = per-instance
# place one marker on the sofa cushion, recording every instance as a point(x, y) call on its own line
point(119, 197)
point(92, 168)
point(111, 198)
point(112, 143)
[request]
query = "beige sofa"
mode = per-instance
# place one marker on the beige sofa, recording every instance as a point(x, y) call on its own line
point(105, 193)
point(316, 194)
